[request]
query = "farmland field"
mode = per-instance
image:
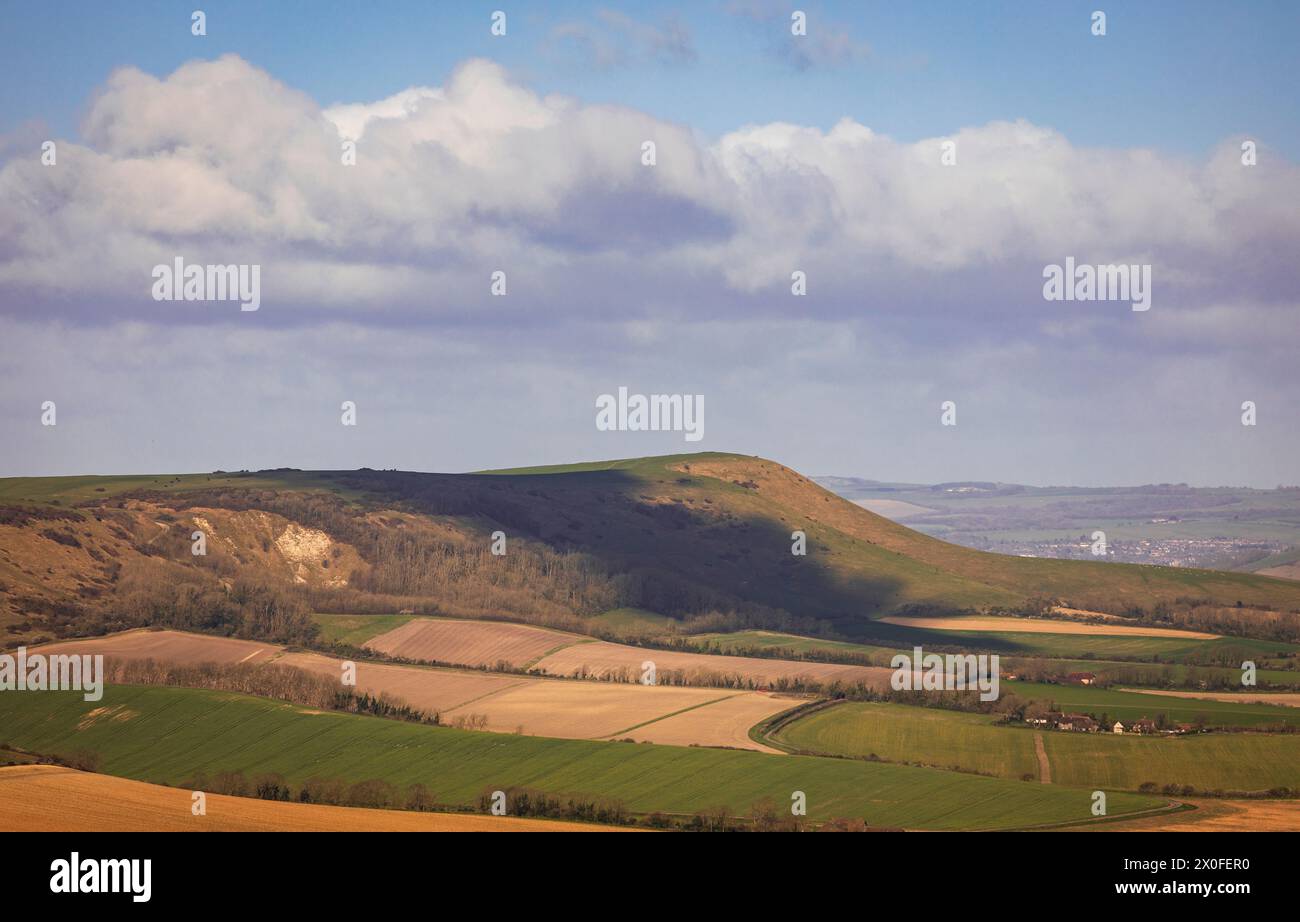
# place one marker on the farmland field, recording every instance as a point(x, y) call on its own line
point(355, 630)
point(899, 733)
point(1206, 761)
point(488, 643)
point(1156, 674)
point(1098, 650)
point(172, 733)
point(170, 646)
point(1012, 642)
point(1214, 815)
point(584, 710)
point(471, 643)
point(1275, 700)
point(507, 703)
point(794, 643)
point(48, 798)
point(602, 659)
point(1130, 705)
point(722, 723)
point(1043, 626)
point(895, 732)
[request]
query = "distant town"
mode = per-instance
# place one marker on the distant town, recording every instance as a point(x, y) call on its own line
point(1166, 552)
point(1169, 525)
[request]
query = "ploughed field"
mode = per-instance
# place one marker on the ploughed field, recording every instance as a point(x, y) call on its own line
point(602, 659)
point(49, 798)
point(486, 643)
point(503, 703)
point(471, 643)
point(169, 735)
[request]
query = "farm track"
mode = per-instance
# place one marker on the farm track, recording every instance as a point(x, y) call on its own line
point(1044, 764)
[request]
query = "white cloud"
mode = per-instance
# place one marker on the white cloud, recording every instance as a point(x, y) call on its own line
point(924, 282)
point(221, 162)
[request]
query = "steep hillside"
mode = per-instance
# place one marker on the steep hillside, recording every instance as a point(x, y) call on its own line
point(703, 537)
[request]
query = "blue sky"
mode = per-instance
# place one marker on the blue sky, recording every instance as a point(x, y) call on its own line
point(1176, 75)
point(523, 154)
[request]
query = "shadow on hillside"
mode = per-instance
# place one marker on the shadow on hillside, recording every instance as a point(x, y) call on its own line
point(683, 538)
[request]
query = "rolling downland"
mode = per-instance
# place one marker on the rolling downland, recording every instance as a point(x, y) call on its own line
point(168, 735)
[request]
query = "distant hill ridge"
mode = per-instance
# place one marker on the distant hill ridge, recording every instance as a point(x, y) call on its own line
point(698, 536)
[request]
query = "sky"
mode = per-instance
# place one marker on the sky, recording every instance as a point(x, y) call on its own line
point(921, 165)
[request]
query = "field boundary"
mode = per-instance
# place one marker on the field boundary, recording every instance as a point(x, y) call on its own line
point(655, 720)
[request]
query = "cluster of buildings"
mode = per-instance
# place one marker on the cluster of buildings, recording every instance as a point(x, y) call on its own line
point(1083, 723)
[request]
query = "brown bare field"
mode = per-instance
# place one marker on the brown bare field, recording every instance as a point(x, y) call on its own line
point(604, 659)
point(721, 723)
point(470, 643)
point(580, 710)
point(428, 689)
point(48, 798)
point(1042, 626)
point(169, 646)
point(1213, 816)
point(1284, 699)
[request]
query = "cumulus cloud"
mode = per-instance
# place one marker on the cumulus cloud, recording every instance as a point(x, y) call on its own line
point(220, 162)
point(924, 280)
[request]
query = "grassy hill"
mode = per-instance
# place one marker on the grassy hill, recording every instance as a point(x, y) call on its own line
point(704, 536)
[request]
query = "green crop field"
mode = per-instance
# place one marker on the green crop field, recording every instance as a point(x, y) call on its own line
point(1094, 653)
point(1160, 674)
point(973, 742)
point(1127, 705)
point(776, 641)
point(901, 733)
point(355, 630)
point(1081, 646)
point(1206, 761)
point(168, 734)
